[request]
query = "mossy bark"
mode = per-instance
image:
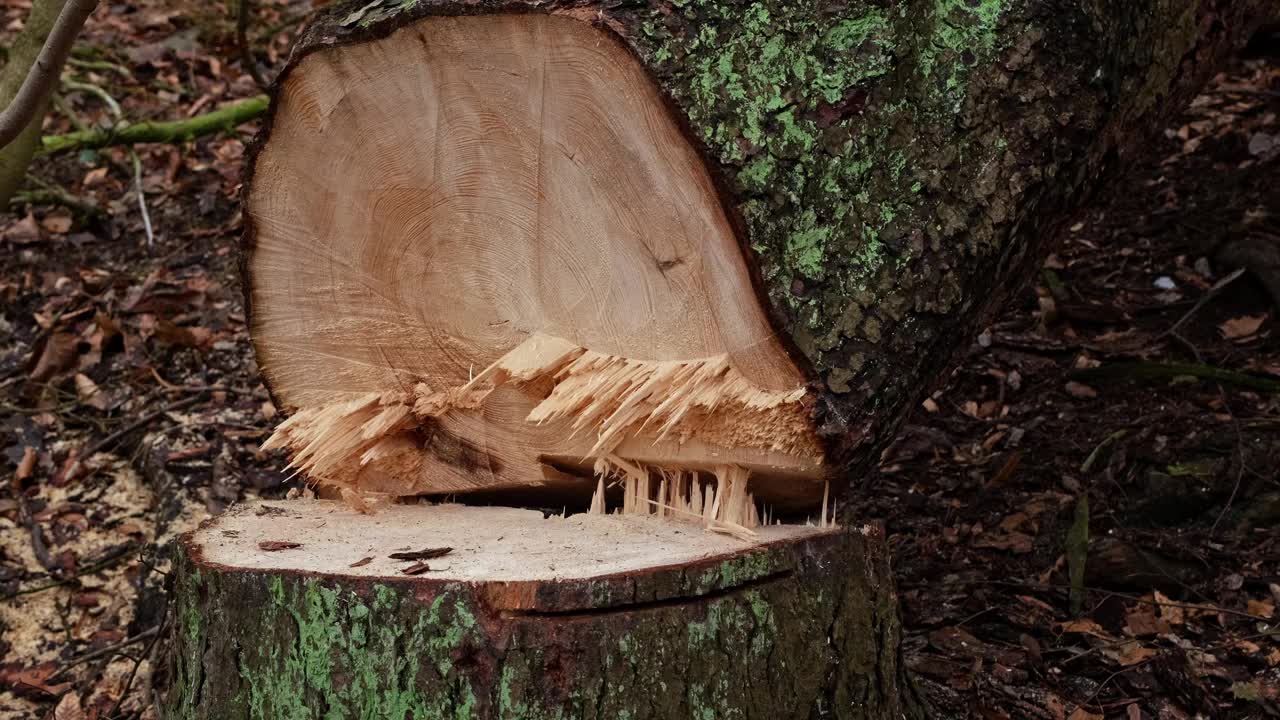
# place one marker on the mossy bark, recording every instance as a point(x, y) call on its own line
point(894, 167)
point(16, 156)
point(804, 629)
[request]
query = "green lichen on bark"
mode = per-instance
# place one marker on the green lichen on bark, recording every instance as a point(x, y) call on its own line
point(765, 87)
point(897, 165)
point(803, 109)
point(313, 651)
point(772, 635)
point(381, 660)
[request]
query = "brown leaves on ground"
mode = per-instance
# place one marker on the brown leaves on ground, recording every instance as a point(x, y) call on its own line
point(1184, 548)
point(99, 335)
point(32, 681)
point(1241, 328)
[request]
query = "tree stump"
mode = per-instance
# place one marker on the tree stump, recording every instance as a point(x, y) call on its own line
point(528, 616)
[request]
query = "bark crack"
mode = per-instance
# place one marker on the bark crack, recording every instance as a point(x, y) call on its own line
point(642, 605)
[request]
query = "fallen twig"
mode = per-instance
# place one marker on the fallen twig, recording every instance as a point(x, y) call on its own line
point(56, 197)
point(124, 693)
point(142, 198)
point(38, 547)
point(1239, 451)
point(1153, 370)
point(101, 66)
point(103, 652)
point(1205, 298)
point(96, 567)
point(141, 422)
point(224, 118)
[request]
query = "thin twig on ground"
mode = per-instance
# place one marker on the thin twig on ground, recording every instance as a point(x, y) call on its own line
point(1142, 369)
point(103, 652)
point(138, 424)
point(128, 684)
point(1239, 452)
point(142, 197)
point(1204, 299)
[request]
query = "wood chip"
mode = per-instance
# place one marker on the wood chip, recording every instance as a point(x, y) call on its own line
point(361, 562)
point(416, 569)
point(424, 554)
point(275, 545)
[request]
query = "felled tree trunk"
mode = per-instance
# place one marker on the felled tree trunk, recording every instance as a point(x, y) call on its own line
point(498, 244)
point(520, 619)
point(691, 261)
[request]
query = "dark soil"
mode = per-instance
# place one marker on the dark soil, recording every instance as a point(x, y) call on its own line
point(1071, 395)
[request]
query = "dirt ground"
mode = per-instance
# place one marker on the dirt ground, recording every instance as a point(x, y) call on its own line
point(1137, 371)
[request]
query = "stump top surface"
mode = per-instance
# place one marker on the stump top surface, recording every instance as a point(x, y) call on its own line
point(497, 544)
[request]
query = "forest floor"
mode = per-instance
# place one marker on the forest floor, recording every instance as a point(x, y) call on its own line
point(131, 409)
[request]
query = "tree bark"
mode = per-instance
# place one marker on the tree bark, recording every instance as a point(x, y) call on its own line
point(16, 154)
point(40, 74)
point(894, 170)
point(803, 628)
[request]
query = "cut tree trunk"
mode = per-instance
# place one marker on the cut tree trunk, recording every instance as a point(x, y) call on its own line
point(522, 246)
point(522, 618)
point(688, 260)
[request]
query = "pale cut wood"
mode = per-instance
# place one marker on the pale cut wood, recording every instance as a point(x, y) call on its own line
point(488, 544)
point(483, 245)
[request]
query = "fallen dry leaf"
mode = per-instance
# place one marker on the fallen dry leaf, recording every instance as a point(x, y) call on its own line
point(1246, 646)
point(1170, 613)
point(1129, 654)
point(416, 569)
point(95, 176)
point(1082, 714)
point(1262, 608)
point(58, 355)
point(31, 682)
point(276, 545)
point(1080, 391)
point(89, 393)
point(362, 562)
point(26, 465)
point(1143, 622)
point(1084, 626)
point(69, 708)
point(1241, 327)
point(23, 232)
point(58, 222)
